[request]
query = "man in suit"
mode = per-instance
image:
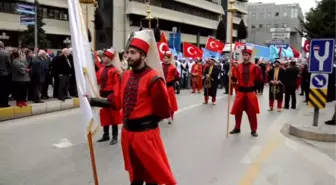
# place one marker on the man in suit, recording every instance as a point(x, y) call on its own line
point(63, 68)
point(38, 75)
point(292, 73)
point(5, 76)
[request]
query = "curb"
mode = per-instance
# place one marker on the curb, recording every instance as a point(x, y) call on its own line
point(311, 135)
point(38, 108)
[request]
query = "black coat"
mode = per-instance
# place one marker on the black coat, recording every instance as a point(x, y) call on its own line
point(280, 88)
point(292, 74)
point(214, 81)
point(61, 66)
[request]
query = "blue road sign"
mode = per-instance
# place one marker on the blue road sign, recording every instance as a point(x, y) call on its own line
point(25, 9)
point(27, 20)
point(319, 81)
point(175, 41)
point(321, 55)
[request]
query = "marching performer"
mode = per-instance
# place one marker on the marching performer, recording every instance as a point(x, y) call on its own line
point(143, 97)
point(276, 85)
point(171, 75)
point(108, 77)
point(196, 76)
point(211, 82)
point(246, 74)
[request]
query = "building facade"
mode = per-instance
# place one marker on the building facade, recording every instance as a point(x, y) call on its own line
point(270, 22)
point(194, 19)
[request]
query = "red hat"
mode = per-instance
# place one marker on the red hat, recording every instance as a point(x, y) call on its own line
point(168, 54)
point(141, 40)
point(110, 53)
point(249, 51)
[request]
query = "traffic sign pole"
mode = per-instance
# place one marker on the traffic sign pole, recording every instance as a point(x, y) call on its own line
point(316, 116)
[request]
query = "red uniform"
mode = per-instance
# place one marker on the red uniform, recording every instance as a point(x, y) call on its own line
point(246, 98)
point(108, 78)
point(196, 72)
point(171, 75)
point(144, 100)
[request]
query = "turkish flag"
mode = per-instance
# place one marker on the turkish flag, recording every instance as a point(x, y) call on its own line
point(163, 38)
point(306, 46)
point(239, 45)
point(191, 51)
point(214, 45)
point(162, 48)
point(296, 53)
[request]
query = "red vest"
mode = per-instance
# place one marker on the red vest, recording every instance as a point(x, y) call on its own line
point(245, 78)
point(169, 72)
point(135, 93)
point(107, 78)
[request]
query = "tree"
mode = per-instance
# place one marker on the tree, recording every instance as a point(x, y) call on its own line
point(320, 21)
point(28, 35)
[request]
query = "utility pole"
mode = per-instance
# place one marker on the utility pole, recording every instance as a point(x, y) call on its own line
point(35, 27)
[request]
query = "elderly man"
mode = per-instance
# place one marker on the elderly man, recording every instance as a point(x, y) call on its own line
point(4, 75)
point(38, 75)
point(63, 68)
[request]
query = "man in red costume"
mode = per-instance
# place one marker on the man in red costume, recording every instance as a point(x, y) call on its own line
point(171, 75)
point(196, 72)
point(143, 97)
point(108, 77)
point(246, 74)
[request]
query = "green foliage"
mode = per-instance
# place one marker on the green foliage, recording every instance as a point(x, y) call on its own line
point(320, 21)
point(28, 35)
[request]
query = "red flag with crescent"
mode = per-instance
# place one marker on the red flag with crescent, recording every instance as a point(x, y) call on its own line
point(306, 46)
point(214, 45)
point(162, 48)
point(191, 51)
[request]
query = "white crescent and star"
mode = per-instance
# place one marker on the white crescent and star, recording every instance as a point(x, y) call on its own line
point(190, 52)
point(307, 47)
point(161, 47)
point(213, 46)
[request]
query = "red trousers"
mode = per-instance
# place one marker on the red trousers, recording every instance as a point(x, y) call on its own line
point(252, 117)
point(279, 104)
point(196, 84)
point(232, 87)
point(206, 99)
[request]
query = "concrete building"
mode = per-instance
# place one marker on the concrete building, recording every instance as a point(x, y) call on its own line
point(241, 14)
point(195, 19)
point(274, 22)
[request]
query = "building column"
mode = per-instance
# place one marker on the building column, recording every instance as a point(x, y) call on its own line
point(198, 38)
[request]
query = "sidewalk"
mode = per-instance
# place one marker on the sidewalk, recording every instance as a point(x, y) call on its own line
point(50, 105)
point(302, 125)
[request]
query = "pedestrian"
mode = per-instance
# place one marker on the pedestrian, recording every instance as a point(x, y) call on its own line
point(196, 76)
point(37, 75)
point(64, 68)
point(292, 73)
point(246, 74)
point(211, 81)
point(276, 77)
point(20, 78)
point(5, 77)
point(305, 82)
point(171, 75)
point(144, 100)
point(108, 78)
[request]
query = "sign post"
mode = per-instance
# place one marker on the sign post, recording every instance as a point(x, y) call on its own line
point(320, 64)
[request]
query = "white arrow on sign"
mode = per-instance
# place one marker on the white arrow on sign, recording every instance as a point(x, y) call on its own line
point(319, 82)
point(322, 58)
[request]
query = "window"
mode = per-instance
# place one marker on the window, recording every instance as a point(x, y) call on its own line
point(254, 15)
point(293, 10)
point(51, 13)
point(276, 14)
point(261, 26)
point(268, 25)
point(57, 14)
point(285, 14)
point(284, 25)
point(269, 14)
point(276, 26)
point(261, 15)
point(253, 26)
point(45, 13)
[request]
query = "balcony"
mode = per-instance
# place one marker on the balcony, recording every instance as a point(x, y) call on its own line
point(210, 6)
point(137, 8)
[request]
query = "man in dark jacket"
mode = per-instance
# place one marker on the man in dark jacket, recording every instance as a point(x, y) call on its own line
point(292, 73)
point(38, 75)
point(5, 76)
point(63, 68)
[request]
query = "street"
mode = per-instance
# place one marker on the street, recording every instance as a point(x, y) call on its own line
point(52, 149)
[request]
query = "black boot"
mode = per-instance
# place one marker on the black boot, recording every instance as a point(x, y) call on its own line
point(254, 134)
point(114, 135)
point(235, 131)
point(105, 136)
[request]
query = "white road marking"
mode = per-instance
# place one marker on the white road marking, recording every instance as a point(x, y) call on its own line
point(64, 143)
point(251, 154)
point(194, 106)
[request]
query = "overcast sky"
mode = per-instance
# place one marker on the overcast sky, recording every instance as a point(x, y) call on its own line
point(305, 4)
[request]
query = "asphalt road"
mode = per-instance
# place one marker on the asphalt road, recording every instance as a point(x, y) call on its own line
point(51, 149)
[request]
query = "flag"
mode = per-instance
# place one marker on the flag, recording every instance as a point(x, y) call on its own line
point(191, 51)
point(210, 54)
point(214, 45)
point(163, 38)
point(84, 67)
point(162, 48)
